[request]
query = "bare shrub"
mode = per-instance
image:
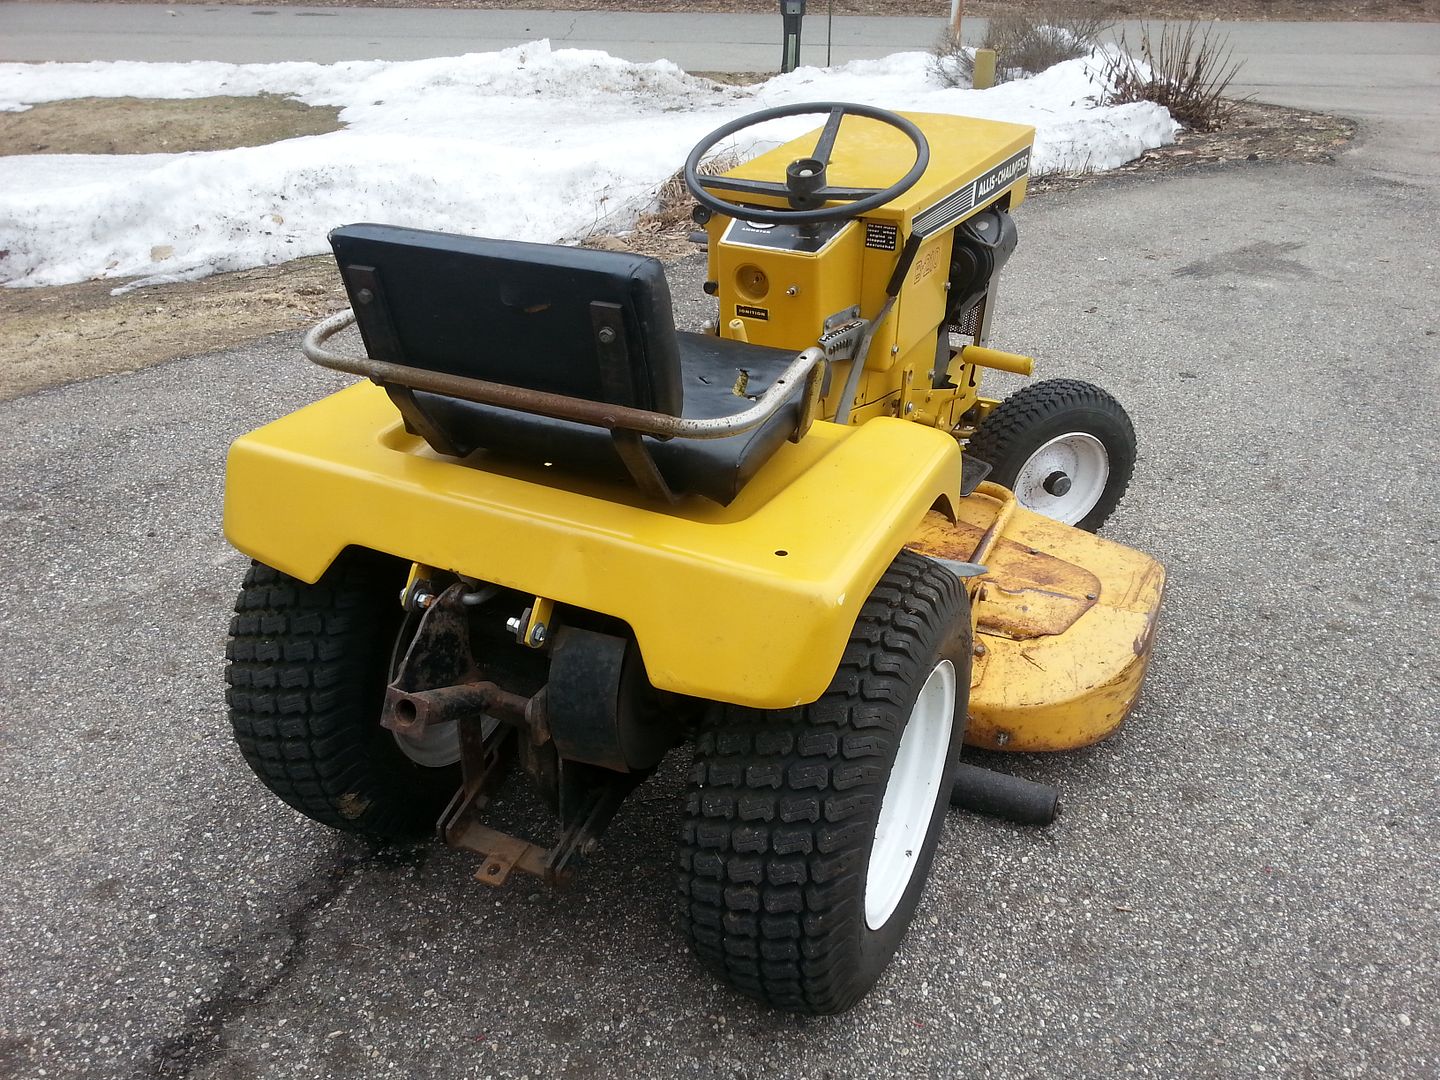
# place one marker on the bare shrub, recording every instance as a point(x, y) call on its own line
point(1188, 69)
point(950, 63)
point(663, 229)
point(1023, 45)
point(671, 209)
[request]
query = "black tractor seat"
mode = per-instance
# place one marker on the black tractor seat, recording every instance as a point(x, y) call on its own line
point(583, 325)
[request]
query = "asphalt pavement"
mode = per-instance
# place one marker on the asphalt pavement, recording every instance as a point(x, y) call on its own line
point(1245, 881)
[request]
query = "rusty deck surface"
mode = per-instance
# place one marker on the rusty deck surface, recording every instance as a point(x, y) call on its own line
point(1064, 622)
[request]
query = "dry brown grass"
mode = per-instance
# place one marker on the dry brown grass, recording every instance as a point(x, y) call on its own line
point(148, 126)
point(62, 333)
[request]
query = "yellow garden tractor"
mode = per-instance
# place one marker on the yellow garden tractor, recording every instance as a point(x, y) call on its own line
point(551, 537)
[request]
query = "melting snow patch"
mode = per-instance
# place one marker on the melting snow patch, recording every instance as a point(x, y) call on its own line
point(530, 143)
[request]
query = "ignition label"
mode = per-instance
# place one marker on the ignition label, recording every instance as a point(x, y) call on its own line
point(745, 311)
point(880, 236)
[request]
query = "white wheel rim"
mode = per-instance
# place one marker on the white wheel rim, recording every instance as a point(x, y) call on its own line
point(1079, 458)
point(910, 796)
point(439, 744)
point(435, 747)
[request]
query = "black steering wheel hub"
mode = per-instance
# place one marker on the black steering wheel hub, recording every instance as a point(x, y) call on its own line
point(805, 177)
point(805, 188)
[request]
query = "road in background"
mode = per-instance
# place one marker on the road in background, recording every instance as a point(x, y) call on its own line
point(1362, 70)
point(258, 34)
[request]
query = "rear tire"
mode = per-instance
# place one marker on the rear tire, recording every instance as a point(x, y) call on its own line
point(308, 666)
point(805, 846)
point(1068, 430)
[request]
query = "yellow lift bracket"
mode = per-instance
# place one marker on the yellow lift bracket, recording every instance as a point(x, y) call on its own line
point(539, 624)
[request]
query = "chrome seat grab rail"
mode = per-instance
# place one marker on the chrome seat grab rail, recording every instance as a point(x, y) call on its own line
point(805, 373)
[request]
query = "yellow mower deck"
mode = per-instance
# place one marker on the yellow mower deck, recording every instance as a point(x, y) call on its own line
point(750, 603)
point(1064, 623)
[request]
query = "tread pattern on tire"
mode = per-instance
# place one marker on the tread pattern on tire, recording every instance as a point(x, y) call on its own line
point(306, 667)
point(1005, 429)
point(777, 820)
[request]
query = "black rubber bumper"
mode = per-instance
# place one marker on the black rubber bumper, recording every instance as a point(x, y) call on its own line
point(1001, 796)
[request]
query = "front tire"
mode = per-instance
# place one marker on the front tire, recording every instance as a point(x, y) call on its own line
point(1064, 446)
point(308, 666)
point(809, 832)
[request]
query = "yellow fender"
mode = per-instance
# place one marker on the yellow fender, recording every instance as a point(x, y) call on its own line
point(750, 603)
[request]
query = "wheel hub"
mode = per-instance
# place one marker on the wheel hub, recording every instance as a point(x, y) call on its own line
point(435, 747)
point(1065, 478)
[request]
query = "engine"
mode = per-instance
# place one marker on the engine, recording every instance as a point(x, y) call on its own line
point(982, 246)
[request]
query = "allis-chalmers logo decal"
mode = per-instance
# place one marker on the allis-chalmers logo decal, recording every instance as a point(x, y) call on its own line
point(952, 208)
point(1002, 175)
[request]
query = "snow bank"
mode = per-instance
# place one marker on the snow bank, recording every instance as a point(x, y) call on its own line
point(529, 143)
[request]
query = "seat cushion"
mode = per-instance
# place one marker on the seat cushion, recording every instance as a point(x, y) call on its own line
point(714, 468)
point(512, 313)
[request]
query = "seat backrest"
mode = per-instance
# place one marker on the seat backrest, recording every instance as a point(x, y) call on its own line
point(513, 313)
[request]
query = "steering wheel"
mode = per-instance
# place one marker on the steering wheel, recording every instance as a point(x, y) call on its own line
point(805, 185)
